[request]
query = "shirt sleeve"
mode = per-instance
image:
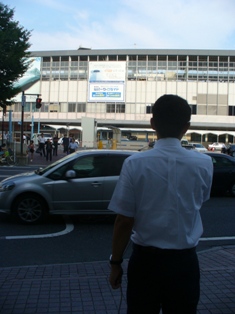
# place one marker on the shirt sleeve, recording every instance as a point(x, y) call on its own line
point(123, 199)
point(208, 180)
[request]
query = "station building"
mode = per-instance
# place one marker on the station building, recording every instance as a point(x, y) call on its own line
point(118, 87)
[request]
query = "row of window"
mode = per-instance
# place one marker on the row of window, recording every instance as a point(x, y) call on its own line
point(191, 58)
point(110, 108)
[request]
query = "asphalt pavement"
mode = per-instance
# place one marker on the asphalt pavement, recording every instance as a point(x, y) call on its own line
point(84, 288)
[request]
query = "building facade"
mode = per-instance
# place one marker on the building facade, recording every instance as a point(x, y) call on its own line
point(118, 87)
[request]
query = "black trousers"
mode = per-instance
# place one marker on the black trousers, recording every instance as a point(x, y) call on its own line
point(42, 149)
point(163, 279)
point(49, 154)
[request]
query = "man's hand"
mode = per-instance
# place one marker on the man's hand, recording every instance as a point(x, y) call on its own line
point(121, 236)
point(115, 277)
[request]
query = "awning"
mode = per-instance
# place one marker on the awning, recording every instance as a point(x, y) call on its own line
point(203, 132)
point(70, 127)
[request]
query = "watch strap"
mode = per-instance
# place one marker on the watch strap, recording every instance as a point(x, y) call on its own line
point(112, 262)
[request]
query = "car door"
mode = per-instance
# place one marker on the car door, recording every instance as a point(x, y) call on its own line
point(224, 173)
point(83, 192)
point(114, 166)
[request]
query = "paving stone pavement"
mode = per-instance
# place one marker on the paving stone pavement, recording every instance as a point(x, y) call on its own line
point(83, 287)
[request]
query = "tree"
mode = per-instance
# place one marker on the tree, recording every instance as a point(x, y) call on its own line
point(14, 62)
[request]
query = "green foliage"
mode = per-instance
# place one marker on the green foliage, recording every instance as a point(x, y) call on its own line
point(14, 43)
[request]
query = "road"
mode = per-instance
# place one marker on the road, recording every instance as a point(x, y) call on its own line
point(72, 239)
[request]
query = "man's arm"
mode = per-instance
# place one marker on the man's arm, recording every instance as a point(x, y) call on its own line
point(121, 236)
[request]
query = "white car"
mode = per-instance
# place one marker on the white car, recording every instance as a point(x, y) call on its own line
point(199, 147)
point(216, 146)
point(60, 141)
point(46, 136)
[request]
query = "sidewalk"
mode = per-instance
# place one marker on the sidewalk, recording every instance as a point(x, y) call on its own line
point(41, 160)
point(84, 288)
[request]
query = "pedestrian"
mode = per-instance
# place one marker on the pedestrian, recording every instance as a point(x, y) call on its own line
point(42, 142)
point(48, 149)
point(31, 150)
point(65, 143)
point(55, 144)
point(73, 146)
point(157, 201)
point(24, 139)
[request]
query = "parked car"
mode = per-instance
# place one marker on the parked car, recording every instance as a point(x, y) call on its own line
point(80, 183)
point(216, 146)
point(199, 147)
point(230, 150)
point(224, 173)
point(188, 146)
point(151, 144)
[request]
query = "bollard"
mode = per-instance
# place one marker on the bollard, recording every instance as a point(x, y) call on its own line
point(114, 144)
point(100, 145)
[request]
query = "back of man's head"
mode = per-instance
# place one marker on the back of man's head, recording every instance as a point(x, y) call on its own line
point(171, 114)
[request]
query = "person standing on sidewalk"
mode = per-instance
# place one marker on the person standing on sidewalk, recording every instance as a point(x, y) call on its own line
point(73, 146)
point(48, 150)
point(31, 150)
point(42, 142)
point(157, 200)
point(55, 144)
point(65, 143)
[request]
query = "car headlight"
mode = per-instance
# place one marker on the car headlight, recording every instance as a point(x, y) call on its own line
point(7, 186)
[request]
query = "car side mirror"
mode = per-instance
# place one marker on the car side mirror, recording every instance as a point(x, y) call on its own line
point(70, 174)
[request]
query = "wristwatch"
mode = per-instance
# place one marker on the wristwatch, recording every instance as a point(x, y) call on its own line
point(112, 262)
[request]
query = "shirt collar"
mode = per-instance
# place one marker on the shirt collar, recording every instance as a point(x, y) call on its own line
point(169, 141)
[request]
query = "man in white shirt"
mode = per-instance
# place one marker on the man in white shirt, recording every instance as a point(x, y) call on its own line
point(157, 200)
point(42, 142)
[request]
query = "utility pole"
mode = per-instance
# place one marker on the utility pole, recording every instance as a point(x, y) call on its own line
point(22, 122)
point(38, 105)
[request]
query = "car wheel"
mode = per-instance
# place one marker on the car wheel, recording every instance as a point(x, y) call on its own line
point(30, 208)
point(232, 189)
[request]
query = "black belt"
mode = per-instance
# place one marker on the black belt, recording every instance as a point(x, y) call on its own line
point(156, 250)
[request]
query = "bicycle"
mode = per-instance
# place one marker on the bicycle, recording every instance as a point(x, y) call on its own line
point(7, 157)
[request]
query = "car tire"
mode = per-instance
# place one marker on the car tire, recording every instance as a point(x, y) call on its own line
point(30, 209)
point(232, 189)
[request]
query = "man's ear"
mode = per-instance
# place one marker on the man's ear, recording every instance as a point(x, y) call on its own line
point(152, 124)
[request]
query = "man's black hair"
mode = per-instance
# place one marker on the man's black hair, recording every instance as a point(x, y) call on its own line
point(171, 114)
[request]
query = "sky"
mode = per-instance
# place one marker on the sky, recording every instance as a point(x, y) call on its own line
point(127, 24)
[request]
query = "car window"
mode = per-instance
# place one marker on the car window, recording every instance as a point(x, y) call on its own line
point(90, 166)
point(115, 164)
point(85, 167)
point(221, 162)
point(59, 174)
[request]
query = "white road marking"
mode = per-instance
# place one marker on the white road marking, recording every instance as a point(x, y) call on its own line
point(69, 228)
point(217, 238)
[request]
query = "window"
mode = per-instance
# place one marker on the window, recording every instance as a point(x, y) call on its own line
point(115, 108)
point(221, 162)
point(193, 109)
point(231, 110)
point(112, 57)
point(81, 107)
point(110, 108)
point(115, 164)
point(71, 107)
point(90, 166)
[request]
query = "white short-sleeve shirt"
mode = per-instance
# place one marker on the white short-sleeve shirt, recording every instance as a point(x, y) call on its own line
point(164, 189)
